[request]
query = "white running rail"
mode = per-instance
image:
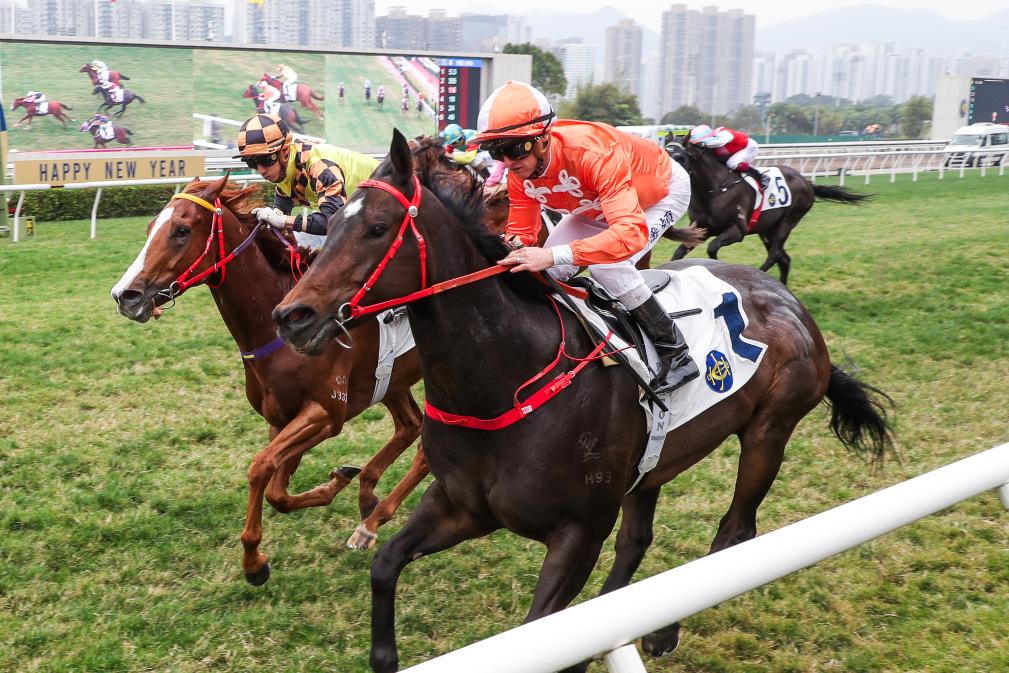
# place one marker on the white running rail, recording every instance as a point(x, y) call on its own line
point(611, 623)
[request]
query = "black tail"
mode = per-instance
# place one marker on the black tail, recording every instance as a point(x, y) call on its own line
point(66, 107)
point(139, 98)
point(122, 76)
point(858, 414)
point(127, 131)
point(839, 194)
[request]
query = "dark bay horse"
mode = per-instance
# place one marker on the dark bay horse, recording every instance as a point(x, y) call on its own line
point(121, 134)
point(560, 475)
point(722, 203)
point(305, 94)
point(285, 112)
point(55, 109)
point(111, 102)
point(114, 75)
point(305, 400)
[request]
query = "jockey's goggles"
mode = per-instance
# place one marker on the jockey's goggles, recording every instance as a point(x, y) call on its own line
point(263, 160)
point(514, 149)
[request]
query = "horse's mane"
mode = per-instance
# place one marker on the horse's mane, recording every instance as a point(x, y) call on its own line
point(241, 202)
point(461, 192)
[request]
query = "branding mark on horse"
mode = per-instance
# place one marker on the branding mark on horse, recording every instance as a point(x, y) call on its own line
point(587, 443)
point(595, 478)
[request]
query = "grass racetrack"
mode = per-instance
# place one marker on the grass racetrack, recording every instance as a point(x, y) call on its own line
point(161, 76)
point(124, 447)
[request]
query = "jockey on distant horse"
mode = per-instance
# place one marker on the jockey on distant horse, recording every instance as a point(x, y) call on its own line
point(39, 100)
point(101, 70)
point(116, 92)
point(461, 149)
point(618, 193)
point(318, 176)
point(269, 96)
point(290, 78)
point(737, 149)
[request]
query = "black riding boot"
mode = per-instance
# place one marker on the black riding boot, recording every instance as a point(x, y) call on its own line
point(675, 365)
point(758, 176)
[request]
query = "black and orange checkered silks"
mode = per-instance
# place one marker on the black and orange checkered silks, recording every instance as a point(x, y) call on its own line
point(262, 134)
point(325, 176)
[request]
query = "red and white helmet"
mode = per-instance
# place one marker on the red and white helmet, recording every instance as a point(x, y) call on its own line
point(700, 132)
point(514, 110)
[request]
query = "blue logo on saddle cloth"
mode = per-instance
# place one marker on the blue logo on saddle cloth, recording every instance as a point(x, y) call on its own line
point(718, 372)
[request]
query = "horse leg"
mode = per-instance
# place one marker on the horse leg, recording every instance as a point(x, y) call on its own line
point(679, 253)
point(366, 534)
point(435, 525)
point(407, 419)
point(762, 447)
point(311, 426)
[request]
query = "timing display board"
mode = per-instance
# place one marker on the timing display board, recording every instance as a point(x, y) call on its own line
point(458, 91)
point(989, 101)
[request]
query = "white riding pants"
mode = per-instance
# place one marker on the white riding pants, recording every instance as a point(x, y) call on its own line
point(747, 154)
point(622, 279)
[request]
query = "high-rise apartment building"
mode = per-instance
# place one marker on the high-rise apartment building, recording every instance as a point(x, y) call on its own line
point(706, 58)
point(579, 61)
point(622, 64)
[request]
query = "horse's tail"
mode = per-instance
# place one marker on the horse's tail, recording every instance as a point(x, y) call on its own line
point(839, 194)
point(690, 235)
point(858, 414)
point(126, 130)
point(139, 98)
point(122, 76)
point(65, 106)
point(316, 96)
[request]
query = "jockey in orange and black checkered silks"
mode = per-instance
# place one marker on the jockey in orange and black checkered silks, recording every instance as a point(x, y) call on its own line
point(318, 176)
point(617, 193)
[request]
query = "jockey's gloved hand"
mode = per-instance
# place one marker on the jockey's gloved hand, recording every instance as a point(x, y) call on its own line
point(274, 217)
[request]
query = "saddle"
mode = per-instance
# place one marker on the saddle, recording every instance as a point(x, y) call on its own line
point(613, 313)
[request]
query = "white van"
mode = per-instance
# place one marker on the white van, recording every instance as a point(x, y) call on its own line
point(961, 150)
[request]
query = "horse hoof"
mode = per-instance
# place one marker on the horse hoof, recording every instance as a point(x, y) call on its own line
point(348, 472)
point(258, 578)
point(663, 641)
point(362, 539)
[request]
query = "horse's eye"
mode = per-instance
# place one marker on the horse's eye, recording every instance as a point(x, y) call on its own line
point(181, 231)
point(377, 230)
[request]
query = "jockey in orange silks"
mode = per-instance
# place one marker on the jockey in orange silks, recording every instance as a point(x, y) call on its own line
point(617, 193)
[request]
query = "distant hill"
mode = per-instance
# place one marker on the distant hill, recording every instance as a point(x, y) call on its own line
point(906, 28)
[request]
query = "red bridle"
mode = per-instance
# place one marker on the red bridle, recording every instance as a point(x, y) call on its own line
point(354, 309)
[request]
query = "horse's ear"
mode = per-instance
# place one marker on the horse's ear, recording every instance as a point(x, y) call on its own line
point(218, 186)
point(399, 154)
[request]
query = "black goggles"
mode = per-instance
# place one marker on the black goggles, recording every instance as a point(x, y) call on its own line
point(263, 160)
point(515, 150)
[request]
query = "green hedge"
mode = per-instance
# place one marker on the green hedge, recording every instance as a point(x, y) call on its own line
point(75, 204)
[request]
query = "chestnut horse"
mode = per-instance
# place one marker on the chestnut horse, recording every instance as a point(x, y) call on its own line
point(560, 474)
point(93, 126)
point(305, 400)
point(114, 75)
point(722, 203)
point(55, 109)
point(305, 94)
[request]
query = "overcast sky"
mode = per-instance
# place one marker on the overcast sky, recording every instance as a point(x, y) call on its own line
point(649, 12)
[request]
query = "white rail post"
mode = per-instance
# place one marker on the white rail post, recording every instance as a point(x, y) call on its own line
point(625, 660)
point(1003, 494)
point(17, 218)
point(94, 213)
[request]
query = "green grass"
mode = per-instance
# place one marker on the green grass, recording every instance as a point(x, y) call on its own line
point(363, 126)
point(123, 451)
point(163, 77)
point(221, 76)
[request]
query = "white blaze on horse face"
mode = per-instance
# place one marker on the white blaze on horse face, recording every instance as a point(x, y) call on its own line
point(352, 208)
point(138, 264)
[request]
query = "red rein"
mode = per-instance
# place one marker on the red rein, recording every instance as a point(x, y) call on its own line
point(519, 409)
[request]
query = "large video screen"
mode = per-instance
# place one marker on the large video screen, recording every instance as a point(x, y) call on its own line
point(182, 97)
point(989, 101)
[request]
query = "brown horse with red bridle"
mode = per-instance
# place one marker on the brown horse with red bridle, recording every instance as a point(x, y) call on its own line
point(114, 75)
point(55, 109)
point(304, 400)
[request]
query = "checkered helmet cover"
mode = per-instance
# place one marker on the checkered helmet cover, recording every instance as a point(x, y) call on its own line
point(263, 134)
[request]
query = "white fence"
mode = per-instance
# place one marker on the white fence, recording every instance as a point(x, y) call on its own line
point(611, 623)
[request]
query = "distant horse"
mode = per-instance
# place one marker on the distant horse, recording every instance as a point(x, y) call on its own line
point(121, 133)
point(305, 94)
point(114, 75)
point(305, 400)
point(560, 474)
point(722, 203)
point(286, 112)
point(54, 109)
point(126, 95)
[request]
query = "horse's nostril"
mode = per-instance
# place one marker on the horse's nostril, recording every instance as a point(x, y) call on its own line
point(127, 297)
point(296, 315)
